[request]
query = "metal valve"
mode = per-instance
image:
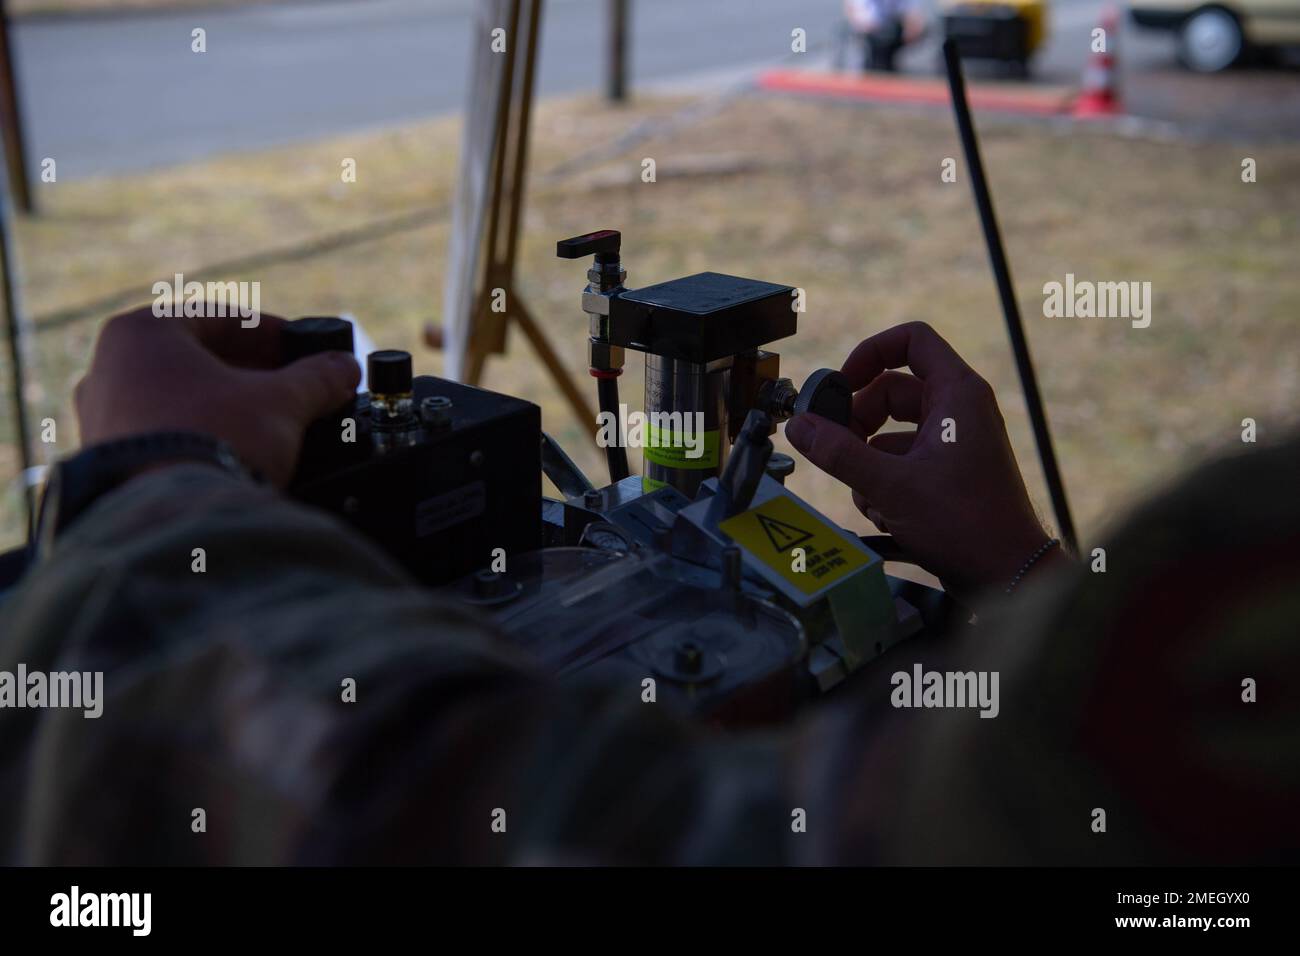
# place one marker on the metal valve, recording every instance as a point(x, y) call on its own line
point(825, 392)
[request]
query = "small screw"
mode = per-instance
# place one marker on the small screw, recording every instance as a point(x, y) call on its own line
point(435, 412)
point(489, 584)
point(689, 658)
point(476, 458)
point(780, 466)
point(731, 565)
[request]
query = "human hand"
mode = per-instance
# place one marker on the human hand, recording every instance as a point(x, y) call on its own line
point(209, 375)
point(959, 507)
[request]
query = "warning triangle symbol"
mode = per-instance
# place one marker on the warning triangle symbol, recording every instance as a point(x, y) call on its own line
point(783, 536)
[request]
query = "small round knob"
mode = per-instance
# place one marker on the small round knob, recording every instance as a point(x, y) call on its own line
point(490, 584)
point(388, 372)
point(826, 392)
point(435, 412)
point(780, 466)
point(308, 336)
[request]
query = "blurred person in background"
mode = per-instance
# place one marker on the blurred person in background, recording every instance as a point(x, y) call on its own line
point(885, 26)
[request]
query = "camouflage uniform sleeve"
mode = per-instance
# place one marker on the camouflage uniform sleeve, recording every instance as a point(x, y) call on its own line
point(1148, 705)
point(223, 691)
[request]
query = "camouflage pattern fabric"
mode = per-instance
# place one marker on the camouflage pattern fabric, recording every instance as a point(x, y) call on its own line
point(223, 691)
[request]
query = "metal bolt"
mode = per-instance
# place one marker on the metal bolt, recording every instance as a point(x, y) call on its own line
point(780, 466)
point(489, 584)
point(435, 412)
point(731, 564)
point(592, 498)
point(689, 657)
point(777, 398)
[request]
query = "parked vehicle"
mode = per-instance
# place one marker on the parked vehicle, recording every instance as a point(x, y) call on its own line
point(1213, 36)
point(1008, 31)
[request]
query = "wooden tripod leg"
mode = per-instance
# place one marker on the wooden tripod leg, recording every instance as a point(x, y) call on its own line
point(577, 401)
point(474, 364)
point(487, 334)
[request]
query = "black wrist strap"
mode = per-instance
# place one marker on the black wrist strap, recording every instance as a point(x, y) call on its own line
point(77, 482)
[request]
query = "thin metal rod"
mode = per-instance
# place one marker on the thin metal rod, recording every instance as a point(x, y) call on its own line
point(11, 119)
point(1010, 310)
point(17, 354)
point(616, 54)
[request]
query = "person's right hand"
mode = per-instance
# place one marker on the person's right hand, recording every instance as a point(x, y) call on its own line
point(214, 376)
point(959, 508)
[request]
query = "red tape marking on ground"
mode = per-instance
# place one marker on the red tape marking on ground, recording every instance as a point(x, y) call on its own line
point(892, 89)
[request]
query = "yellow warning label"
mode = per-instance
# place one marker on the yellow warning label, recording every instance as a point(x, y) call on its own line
point(774, 530)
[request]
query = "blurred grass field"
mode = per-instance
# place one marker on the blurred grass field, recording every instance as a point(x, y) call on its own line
point(845, 201)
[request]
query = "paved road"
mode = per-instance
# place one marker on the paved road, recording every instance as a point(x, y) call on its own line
point(106, 94)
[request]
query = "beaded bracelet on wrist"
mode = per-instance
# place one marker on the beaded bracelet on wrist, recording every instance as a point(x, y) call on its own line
point(1033, 559)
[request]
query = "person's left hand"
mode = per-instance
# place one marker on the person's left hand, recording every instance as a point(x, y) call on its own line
point(213, 376)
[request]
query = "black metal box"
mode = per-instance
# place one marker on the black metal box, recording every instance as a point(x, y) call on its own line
point(443, 504)
point(702, 317)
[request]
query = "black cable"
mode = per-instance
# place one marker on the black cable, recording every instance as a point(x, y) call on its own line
point(607, 399)
point(1011, 311)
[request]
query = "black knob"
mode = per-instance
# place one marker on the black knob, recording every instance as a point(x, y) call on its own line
point(388, 372)
point(604, 245)
point(304, 337)
point(826, 393)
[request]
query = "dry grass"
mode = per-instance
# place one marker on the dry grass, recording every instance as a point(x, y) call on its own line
point(844, 201)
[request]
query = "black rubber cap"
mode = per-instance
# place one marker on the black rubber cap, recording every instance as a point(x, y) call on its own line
point(388, 372)
point(304, 337)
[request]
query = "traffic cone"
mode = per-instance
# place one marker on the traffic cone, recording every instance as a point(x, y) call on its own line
point(1100, 95)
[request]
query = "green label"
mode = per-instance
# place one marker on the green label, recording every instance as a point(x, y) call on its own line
point(665, 447)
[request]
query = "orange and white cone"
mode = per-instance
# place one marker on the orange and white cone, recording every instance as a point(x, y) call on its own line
point(1100, 95)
